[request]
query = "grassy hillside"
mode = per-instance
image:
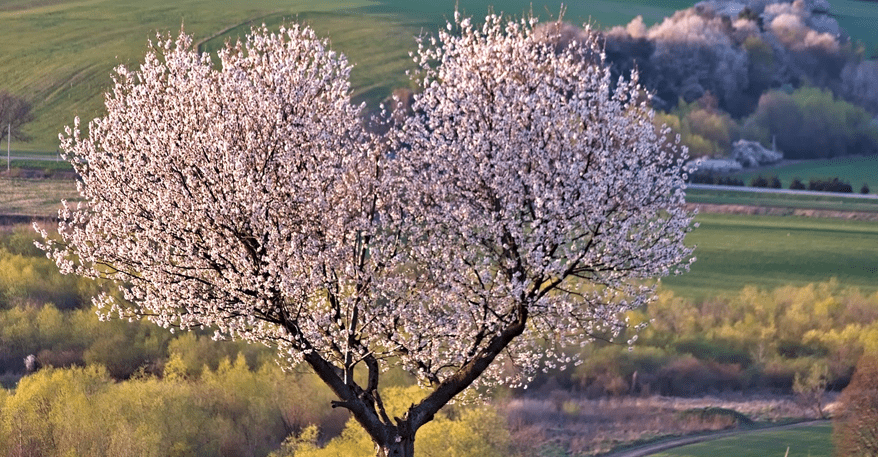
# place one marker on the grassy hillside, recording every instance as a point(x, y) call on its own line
point(858, 18)
point(807, 441)
point(62, 52)
point(765, 251)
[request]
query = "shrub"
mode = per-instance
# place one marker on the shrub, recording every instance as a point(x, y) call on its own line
point(797, 184)
point(759, 181)
point(774, 182)
point(864, 189)
point(726, 417)
point(829, 185)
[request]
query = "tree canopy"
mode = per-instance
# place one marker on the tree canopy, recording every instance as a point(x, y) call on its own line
point(519, 209)
point(14, 113)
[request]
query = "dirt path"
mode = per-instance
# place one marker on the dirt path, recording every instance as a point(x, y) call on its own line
point(650, 449)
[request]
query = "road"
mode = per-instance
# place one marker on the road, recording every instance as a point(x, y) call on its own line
point(41, 158)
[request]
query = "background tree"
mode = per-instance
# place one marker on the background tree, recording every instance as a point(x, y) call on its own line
point(855, 429)
point(524, 202)
point(14, 113)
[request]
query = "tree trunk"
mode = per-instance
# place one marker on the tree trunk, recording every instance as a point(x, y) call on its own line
point(402, 448)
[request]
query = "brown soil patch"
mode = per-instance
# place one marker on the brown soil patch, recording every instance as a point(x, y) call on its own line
point(781, 211)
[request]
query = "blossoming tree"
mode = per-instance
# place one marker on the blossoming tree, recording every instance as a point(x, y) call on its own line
point(518, 210)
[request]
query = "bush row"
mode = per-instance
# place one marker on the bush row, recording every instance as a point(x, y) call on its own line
point(773, 182)
point(756, 341)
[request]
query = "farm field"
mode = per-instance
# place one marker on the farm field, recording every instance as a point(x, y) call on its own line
point(732, 250)
point(64, 51)
point(855, 170)
point(806, 441)
point(829, 201)
point(34, 197)
point(771, 251)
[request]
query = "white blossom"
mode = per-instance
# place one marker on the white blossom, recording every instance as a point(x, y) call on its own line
point(523, 203)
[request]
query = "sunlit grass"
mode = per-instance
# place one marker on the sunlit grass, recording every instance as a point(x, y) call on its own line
point(805, 441)
point(766, 251)
point(34, 197)
point(62, 52)
point(830, 201)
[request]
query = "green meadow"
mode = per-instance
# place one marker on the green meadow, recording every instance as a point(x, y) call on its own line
point(806, 441)
point(64, 51)
point(858, 19)
point(855, 170)
point(733, 251)
point(829, 201)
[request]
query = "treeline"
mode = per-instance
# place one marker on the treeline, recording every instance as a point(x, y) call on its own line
point(772, 71)
point(773, 182)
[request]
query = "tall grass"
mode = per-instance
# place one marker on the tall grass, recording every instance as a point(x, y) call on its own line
point(35, 197)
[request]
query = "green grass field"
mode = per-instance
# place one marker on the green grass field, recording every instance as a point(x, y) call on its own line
point(63, 51)
point(805, 441)
point(858, 18)
point(830, 201)
point(734, 251)
point(855, 170)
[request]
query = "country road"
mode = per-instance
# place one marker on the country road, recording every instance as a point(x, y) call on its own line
point(654, 448)
point(40, 158)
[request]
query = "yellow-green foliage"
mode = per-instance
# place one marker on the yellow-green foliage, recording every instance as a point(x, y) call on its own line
point(818, 320)
point(62, 338)
point(190, 354)
point(457, 431)
point(28, 278)
point(234, 410)
point(704, 129)
point(25, 279)
point(757, 338)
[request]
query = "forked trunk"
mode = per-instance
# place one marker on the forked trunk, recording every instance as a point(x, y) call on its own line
point(402, 448)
